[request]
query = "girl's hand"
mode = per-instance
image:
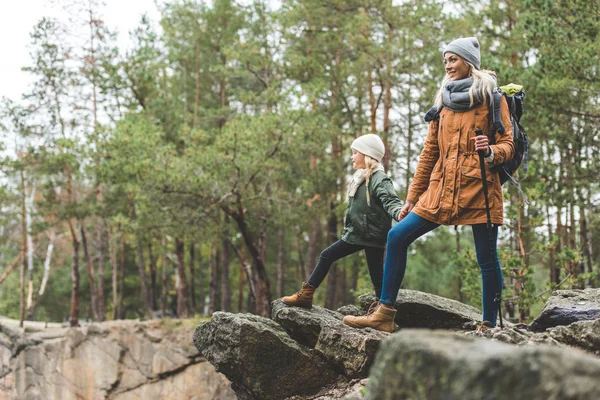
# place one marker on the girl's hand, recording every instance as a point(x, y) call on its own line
point(406, 209)
point(481, 143)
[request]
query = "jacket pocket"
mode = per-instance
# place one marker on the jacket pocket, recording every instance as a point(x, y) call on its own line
point(431, 197)
point(470, 194)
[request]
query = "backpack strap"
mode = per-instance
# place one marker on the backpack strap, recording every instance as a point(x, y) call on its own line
point(496, 125)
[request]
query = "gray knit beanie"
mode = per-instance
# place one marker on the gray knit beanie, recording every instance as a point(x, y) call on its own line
point(370, 145)
point(466, 48)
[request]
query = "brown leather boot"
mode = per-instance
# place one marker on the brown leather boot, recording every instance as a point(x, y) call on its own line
point(302, 298)
point(381, 319)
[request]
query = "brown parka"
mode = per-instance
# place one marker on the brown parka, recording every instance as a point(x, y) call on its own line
point(447, 187)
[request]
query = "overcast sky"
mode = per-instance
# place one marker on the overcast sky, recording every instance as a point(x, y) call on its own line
point(17, 19)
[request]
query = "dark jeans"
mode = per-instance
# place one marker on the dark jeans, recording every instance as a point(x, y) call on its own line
point(341, 249)
point(413, 227)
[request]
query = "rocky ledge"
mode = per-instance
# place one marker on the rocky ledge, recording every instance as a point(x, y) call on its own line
point(309, 354)
point(110, 360)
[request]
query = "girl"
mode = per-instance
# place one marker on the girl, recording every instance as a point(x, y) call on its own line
point(372, 204)
point(447, 187)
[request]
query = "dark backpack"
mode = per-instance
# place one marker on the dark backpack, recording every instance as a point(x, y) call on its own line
point(516, 108)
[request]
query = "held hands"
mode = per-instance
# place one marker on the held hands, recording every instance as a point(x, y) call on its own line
point(406, 209)
point(481, 143)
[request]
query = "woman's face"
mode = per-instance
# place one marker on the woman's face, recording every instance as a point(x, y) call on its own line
point(456, 67)
point(358, 160)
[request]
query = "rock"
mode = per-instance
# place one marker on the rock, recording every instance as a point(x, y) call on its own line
point(582, 334)
point(302, 324)
point(351, 350)
point(423, 310)
point(115, 360)
point(350, 309)
point(433, 364)
point(260, 359)
point(567, 306)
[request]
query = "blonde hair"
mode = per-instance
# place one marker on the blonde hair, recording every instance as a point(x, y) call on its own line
point(371, 165)
point(483, 81)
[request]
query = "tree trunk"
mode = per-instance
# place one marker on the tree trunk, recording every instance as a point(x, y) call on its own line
point(112, 248)
point(214, 280)
point(74, 310)
point(182, 307)
point(122, 279)
point(300, 265)
point(141, 262)
point(92, 275)
point(24, 250)
point(28, 212)
point(311, 256)
point(373, 106)
point(225, 287)
point(142, 272)
point(152, 258)
point(559, 229)
point(100, 292)
point(261, 279)
point(332, 278)
point(38, 299)
point(241, 285)
point(11, 267)
point(192, 276)
point(280, 263)
point(164, 281)
point(201, 302)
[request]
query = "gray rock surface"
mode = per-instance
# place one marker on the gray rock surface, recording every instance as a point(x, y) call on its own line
point(110, 360)
point(260, 359)
point(582, 334)
point(351, 350)
point(423, 310)
point(567, 306)
point(304, 325)
point(420, 364)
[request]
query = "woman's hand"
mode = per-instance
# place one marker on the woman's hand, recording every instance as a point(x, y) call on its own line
point(482, 143)
point(406, 209)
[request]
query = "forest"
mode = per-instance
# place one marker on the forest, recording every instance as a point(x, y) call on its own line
point(206, 167)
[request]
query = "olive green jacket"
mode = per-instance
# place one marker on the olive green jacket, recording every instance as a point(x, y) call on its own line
point(366, 225)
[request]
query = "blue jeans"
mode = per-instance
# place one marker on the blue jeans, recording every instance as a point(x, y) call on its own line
point(342, 249)
point(411, 228)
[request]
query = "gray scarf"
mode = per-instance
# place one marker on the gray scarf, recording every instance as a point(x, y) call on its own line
point(456, 98)
point(456, 95)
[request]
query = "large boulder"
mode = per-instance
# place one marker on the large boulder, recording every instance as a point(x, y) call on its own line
point(582, 334)
point(567, 306)
point(304, 325)
point(433, 364)
point(350, 350)
point(260, 359)
point(423, 310)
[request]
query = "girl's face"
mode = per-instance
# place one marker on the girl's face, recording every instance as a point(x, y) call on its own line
point(358, 160)
point(456, 67)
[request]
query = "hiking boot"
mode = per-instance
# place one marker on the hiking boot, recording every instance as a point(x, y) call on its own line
point(382, 319)
point(373, 307)
point(302, 298)
point(483, 328)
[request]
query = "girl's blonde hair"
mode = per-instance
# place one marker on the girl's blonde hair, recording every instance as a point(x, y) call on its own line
point(483, 81)
point(371, 166)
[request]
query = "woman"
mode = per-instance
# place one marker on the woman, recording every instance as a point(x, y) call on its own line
point(372, 204)
point(447, 187)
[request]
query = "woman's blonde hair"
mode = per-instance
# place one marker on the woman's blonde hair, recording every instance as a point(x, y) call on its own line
point(482, 80)
point(371, 166)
